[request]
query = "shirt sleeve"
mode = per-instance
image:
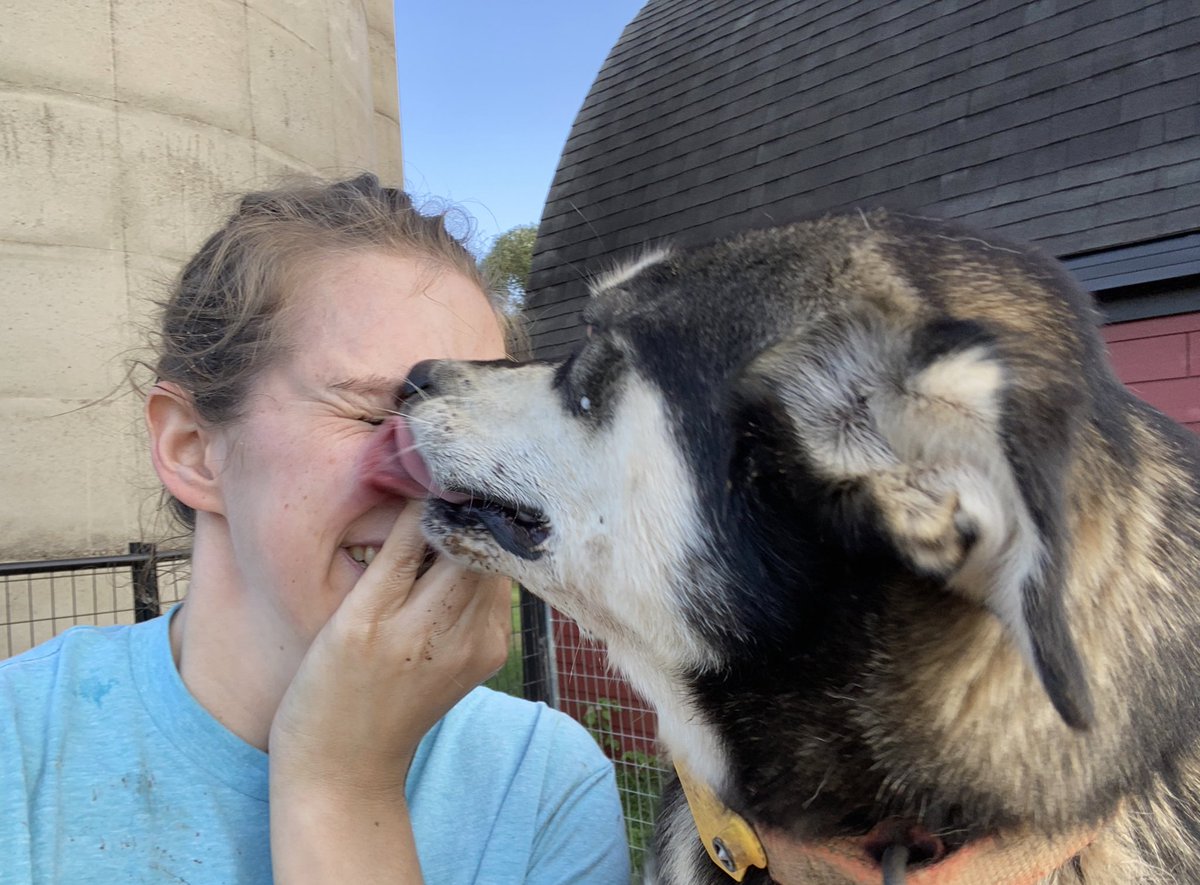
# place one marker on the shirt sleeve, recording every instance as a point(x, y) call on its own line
point(581, 835)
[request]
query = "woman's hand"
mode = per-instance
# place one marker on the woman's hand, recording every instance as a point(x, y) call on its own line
point(397, 654)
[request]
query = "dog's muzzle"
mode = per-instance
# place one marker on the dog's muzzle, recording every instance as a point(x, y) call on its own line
point(392, 463)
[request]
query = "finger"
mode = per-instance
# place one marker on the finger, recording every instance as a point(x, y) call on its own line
point(480, 633)
point(495, 593)
point(445, 594)
point(387, 585)
point(390, 578)
point(472, 588)
point(460, 607)
point(495, 598)
point(487, 616)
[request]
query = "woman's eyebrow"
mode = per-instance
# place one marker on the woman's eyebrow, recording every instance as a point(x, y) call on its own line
point(369, 385)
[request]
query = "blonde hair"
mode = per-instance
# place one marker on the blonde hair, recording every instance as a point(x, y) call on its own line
point(220, 326)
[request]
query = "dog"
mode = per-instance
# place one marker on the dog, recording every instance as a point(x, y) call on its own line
point(858, 505)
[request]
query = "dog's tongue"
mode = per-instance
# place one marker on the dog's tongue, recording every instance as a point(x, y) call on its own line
point(393, 464)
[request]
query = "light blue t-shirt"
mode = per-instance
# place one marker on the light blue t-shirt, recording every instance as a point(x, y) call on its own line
point(110, 772)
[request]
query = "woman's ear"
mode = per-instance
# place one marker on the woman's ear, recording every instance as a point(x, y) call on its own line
point(182, 448)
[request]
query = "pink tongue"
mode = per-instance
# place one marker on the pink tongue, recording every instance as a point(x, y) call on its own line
point(392, 464)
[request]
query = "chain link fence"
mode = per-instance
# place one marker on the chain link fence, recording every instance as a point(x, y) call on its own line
point(619, 720)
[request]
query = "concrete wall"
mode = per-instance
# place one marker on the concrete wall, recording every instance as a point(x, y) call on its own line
point(124, 127)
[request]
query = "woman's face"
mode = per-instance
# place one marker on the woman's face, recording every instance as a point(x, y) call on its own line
point(300, 518)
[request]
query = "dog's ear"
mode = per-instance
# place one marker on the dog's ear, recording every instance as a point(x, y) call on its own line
point(925, 438)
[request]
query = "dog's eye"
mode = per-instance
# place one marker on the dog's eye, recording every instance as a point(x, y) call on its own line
point(563, 378)
point(373, 420)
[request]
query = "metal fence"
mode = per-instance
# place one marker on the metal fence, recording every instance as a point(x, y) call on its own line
point(43, 598)
point(620, 721)
point(548, 659)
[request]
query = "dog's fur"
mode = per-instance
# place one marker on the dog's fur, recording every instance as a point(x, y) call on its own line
point(858, 505)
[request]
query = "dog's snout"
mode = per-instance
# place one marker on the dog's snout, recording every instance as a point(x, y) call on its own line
point(420, 381)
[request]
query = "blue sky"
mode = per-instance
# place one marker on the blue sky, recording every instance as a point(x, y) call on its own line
point(488, 92)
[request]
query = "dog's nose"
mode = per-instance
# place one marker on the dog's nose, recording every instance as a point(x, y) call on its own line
point(419, 381)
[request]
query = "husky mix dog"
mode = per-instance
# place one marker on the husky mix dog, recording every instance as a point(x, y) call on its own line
point(859, 507)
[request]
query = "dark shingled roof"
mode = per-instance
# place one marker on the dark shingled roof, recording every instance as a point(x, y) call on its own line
point(1072, 123)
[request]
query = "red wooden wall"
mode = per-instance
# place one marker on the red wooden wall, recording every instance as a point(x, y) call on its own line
point(1160, 361)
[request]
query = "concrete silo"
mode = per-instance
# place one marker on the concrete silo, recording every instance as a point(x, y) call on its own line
point(124, 127)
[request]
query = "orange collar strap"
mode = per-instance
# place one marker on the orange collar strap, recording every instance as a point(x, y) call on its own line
point(734, 846)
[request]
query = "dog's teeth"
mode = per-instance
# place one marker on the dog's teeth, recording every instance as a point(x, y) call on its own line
point(369, 555)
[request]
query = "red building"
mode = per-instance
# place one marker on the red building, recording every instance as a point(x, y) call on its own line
point(1160, 361)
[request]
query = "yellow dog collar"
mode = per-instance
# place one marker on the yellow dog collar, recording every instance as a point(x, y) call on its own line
point(729, 840)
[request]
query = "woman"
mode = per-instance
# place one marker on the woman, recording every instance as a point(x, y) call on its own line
point(309, 630)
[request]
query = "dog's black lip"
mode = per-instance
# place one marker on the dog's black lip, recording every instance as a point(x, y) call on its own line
point(517, 529)
point(484, 500)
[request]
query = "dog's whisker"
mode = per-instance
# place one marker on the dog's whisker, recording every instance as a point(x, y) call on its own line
point(411, 419)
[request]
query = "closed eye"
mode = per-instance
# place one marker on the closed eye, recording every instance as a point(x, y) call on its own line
point(585, 379)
